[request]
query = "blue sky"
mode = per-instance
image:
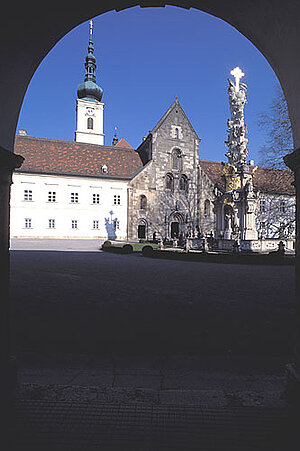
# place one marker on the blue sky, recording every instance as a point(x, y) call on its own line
point(146, 56)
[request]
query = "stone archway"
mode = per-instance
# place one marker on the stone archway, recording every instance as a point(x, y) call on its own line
point(176, 224)
point(272, 27)
point(142, 229)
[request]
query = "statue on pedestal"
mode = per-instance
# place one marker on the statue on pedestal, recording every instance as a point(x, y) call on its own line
point(239, 200)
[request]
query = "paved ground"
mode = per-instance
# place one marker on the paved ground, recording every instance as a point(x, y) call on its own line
point(55, 245)
point(124, 352)
point(95, 302)
point(135, 427)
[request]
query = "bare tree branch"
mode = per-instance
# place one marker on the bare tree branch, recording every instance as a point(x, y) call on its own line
point(277, 124)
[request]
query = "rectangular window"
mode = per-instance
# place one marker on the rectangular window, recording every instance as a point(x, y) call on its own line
point(96, 198)
point(74, 198)
point(28, 224)
point(51, 196)
point(74, 224)
point(51, 223)
point(282, 207)
point(117, 225)
point(262, 206)
point(95, 224)
point(117, 199)
point(27, 194)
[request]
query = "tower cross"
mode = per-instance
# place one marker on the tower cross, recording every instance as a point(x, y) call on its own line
point(91, 27)
point(238, 74)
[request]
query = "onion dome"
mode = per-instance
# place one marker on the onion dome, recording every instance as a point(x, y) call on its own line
point(89, 90)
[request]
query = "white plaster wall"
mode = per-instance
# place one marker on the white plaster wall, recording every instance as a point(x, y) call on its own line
point(39, 210)
point(83, 134)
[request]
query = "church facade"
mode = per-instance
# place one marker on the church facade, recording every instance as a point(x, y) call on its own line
point(161, 190)
point(163, 199)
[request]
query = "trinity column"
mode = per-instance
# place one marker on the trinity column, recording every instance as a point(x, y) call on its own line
point(238, 203)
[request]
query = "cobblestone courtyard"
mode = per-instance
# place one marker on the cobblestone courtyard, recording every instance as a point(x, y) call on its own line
point(123, 352)
point(94, 302)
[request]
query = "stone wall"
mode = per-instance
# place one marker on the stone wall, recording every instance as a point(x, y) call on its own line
point(172, 139)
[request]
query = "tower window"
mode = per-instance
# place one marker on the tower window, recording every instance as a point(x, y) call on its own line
point(176, 155)
point(90, 123)
point(183, 183)
point(169, 182)
point(143, 202)
point(176, 133)
point(74, 224)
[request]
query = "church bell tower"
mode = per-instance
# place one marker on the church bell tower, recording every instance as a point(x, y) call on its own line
point(89, 108)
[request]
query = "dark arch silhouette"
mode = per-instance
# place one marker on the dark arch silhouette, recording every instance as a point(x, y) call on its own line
point(272, 27)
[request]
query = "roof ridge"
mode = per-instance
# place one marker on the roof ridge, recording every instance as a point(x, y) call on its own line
point(259, 166)
point(37, 138)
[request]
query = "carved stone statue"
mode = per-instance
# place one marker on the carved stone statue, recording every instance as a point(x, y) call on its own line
point(240, 199)
point(237, 143)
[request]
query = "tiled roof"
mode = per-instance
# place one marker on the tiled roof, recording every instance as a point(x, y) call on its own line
point(265, 180)
point(51, 156)
point(123, 143)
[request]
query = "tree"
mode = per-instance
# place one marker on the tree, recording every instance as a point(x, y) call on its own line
point(276, 216)
point(277, 124)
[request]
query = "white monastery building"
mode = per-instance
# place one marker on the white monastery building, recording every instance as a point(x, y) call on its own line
point(161, 190)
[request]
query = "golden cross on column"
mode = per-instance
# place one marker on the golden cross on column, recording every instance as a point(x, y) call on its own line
point(238, 74)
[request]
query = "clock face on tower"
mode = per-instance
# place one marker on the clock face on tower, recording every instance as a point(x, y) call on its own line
point(90, 111)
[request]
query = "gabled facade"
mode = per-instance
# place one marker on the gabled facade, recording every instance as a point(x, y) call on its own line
point(163, 199)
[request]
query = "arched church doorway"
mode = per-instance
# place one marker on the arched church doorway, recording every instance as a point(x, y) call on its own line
point(176, 225)
point(174, 229)
point(142, 230)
